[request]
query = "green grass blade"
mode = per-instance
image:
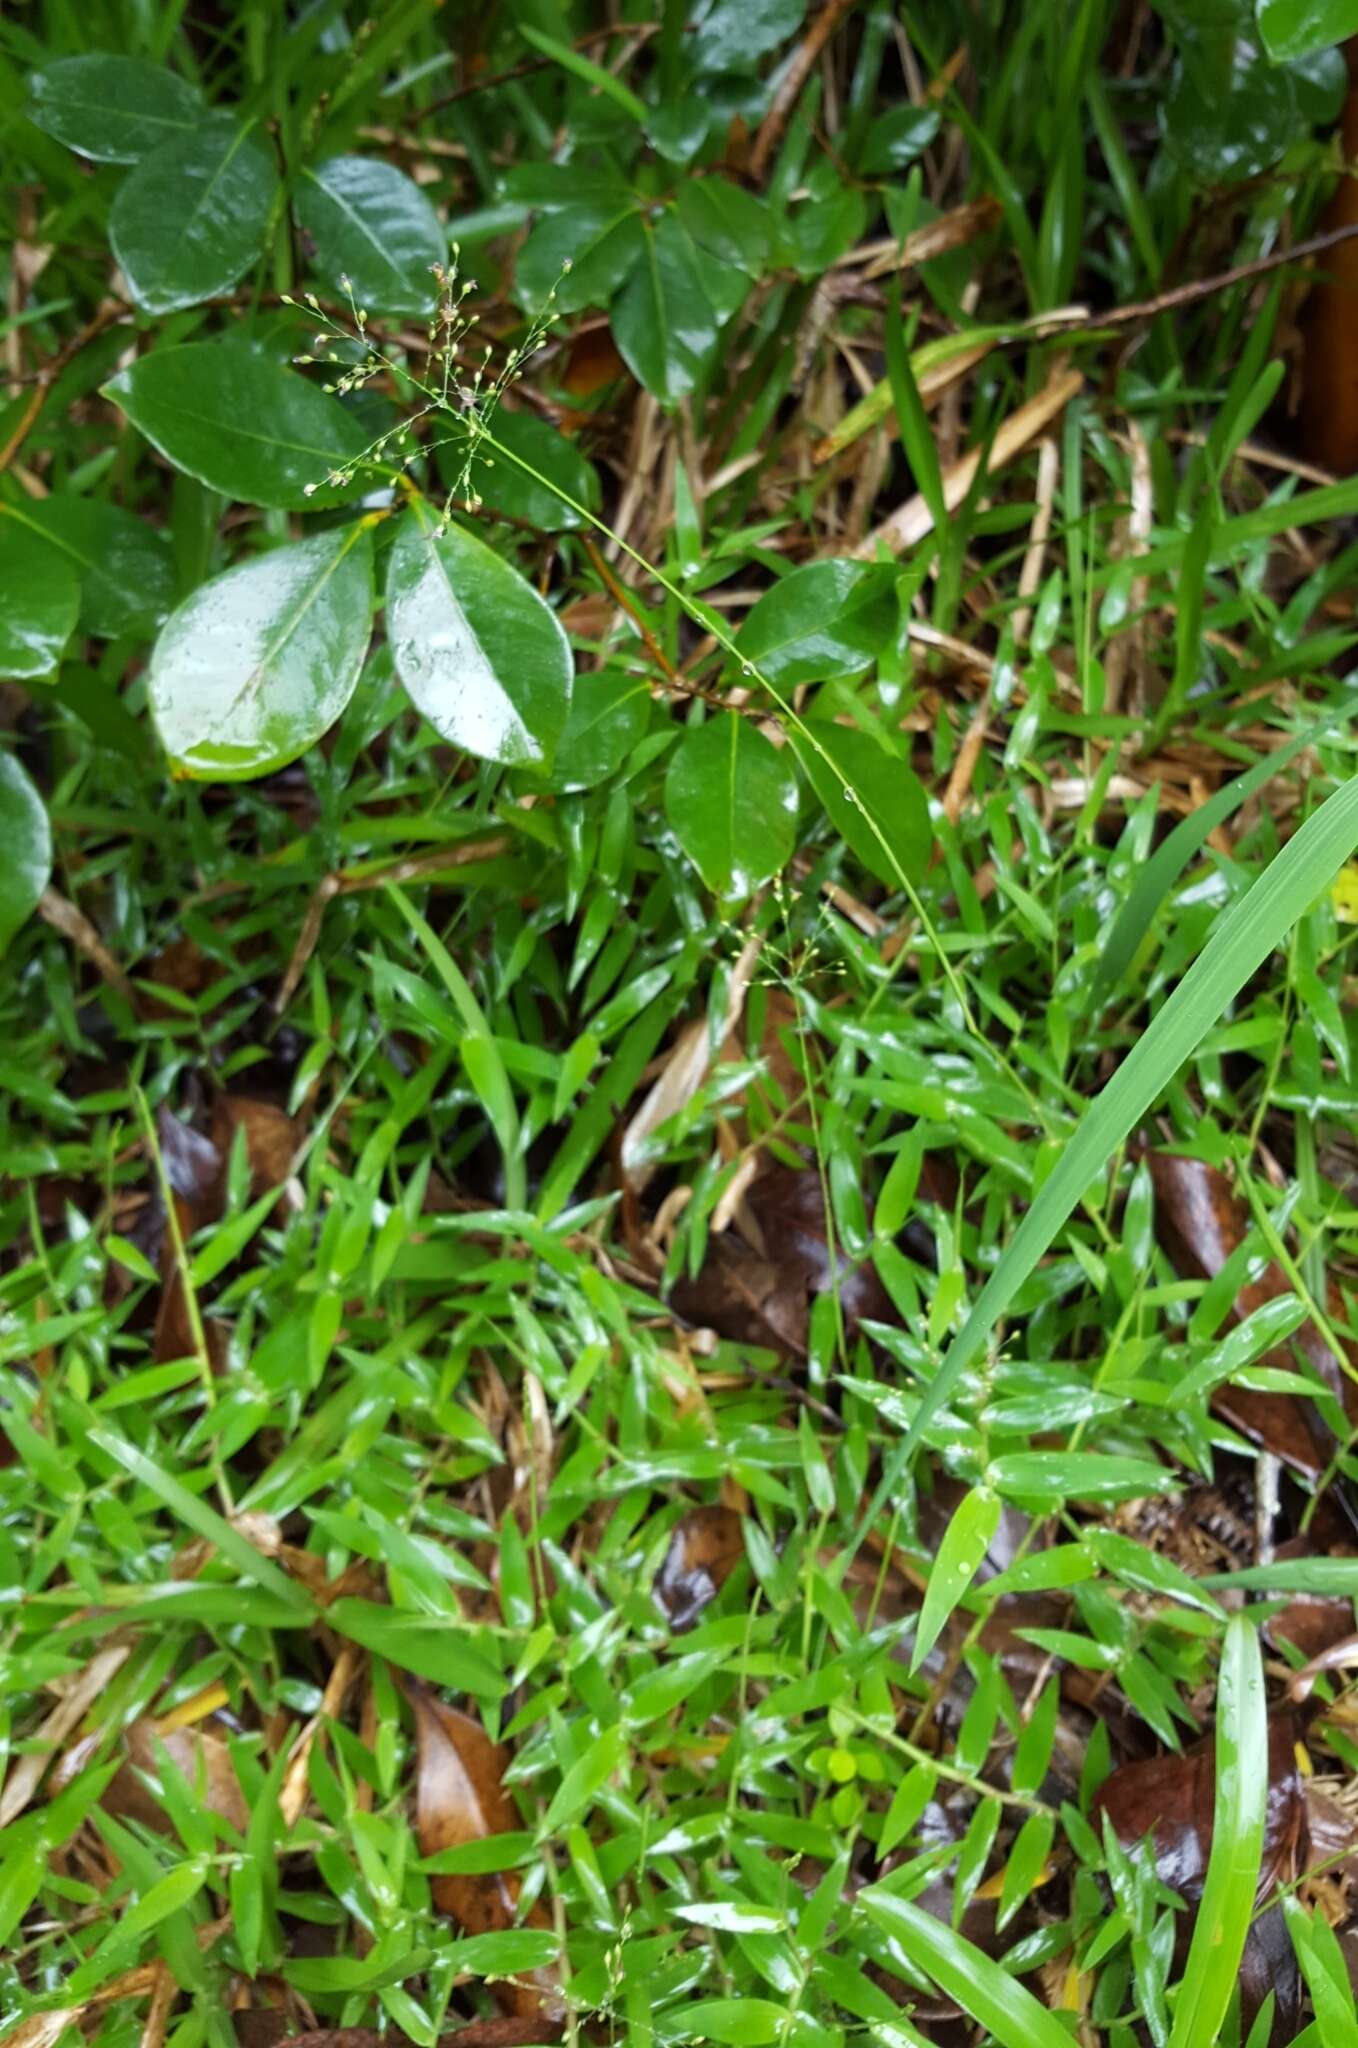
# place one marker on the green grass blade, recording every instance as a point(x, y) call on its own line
point(1227, 1904)
point(984, 1990)
point(1245, 936)
point(1169, 860)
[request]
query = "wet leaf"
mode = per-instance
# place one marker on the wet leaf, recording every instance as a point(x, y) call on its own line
point(731, 799)
point(241, 423)
point(259, 662)
point(460, 1797)
point(504, 487)
point(25, 848)
point(484, 659)
point(823, 620)
point(978, 1985)
point(870, 797)
point(190, 219)
point(39, 602)
point(124, 567)
point(114, 109)
point(967, 1538)
point(663, 321)
point(371, 224)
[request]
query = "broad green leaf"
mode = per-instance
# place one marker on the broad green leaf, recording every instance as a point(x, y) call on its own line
point(124, 566)
point(1241, 1806)
point(430, 1645)
point(39, 601)
point(966, 1540)
point(987, 1993)
point(609, 713)
point(495, 476)
point(735, 2022)
point(190, 219)
point(370, 223)
point(663, 321)
point(1295, 28)
point(897, 137)
point(484, 659)
point(1055, 1476)
point(259, 662)
point(579, 256)
point(725, 221)
point(25, 848)
point(114, 109)
point(731, 799)
point(1231, 120)
point(861, 781)
point(823, 620)
point(735, 34)
point(1240, 940)
point(241, 423)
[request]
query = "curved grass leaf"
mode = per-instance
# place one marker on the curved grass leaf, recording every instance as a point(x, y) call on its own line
point(258, 663)
point(1228, 1896)
point(966, 1540)
point(987, 1993)
point(1245, 936)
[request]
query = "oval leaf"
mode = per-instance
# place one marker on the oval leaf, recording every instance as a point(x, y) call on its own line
point(966, 1540)
point(862, 786)
point(258, 663)
point(608, 715)
point(124, 566)
point(242, 424)
point(823, 620)
point(114, 109)
point(371, 224)
point(731, 797)
point(25, 848)
point(663, 322)
point(191, 218)
point(496, 478)
point(39, 601)
point(484, 659)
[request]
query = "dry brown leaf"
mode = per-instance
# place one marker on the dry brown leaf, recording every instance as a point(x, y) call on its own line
point(272, 1138)
point(460, 1797)
point(705, 1547)
point(197, 1752)
point(70, 1711)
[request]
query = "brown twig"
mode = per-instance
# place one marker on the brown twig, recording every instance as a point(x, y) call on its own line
point(789, 92)
point(109, 312)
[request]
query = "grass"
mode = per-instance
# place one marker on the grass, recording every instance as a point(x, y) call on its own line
point(474, 1548)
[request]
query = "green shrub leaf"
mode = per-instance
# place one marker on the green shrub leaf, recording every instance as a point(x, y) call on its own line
point(25, 848)
point(731, 797)
point(114, 109)
point(39, 599)
point(370, 223)
point(259, 662)
point(124, 566)
point(859, 781)
point(484, 659)
point(245, 425)
point(190, 219)
point(663, 322)
point(824, 620)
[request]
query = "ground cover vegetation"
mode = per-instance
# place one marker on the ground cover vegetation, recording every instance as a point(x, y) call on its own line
point(679, 1188)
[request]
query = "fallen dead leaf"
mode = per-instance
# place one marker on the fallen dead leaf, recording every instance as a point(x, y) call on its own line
point(705, 1546)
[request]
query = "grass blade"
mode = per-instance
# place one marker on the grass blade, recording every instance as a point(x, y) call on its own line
point(1227, 1904)
point(984, 1990)
point(1245, 936)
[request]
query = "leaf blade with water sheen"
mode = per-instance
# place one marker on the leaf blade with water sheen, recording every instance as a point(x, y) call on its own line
point(190, 219)
point(483, 658)
point(259, 662)
point(731, 798)
point(25, 848)
point(113, 109)
point(370, 223)
point(985, 1991)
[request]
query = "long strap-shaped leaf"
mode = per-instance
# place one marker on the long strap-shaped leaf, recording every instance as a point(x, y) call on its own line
point(1245, 936)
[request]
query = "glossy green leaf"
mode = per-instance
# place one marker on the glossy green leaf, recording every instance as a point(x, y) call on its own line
point(987, 1993)
point(259, 662)
point(897, 137)
point(39, 600)
point(1296, 28)
point(824, 620)
point(609, 713)
point(663, 321)
point(860, 780)
point(968, 1536)
point(735, 34)
point(367, 221)
point(427, 1644)
point(735, 2022)
point(241, 423)
point(504, 487)
point(25, 848)
point(114, 109)
point(726, 221)
point(484, 659)
point(578, 256)
point(124, 566)
point(1241, 1806)
point(1056, 1476)
point(1230, 116)
point(731, 799)
point(606, 1754)
point(190, 219)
